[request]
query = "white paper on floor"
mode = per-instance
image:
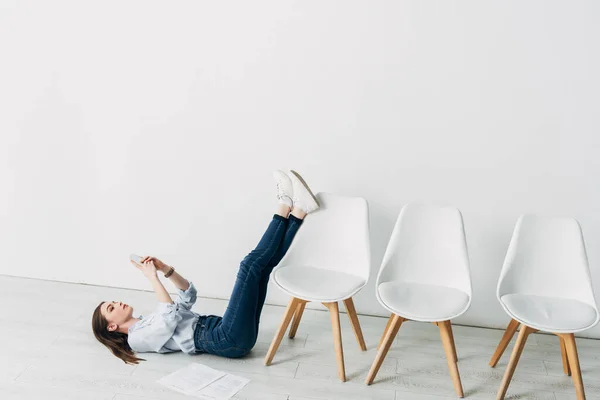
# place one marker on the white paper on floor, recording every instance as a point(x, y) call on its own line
point(223, 388)
point(204, 382)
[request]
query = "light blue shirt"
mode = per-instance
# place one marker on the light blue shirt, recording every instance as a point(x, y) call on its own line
point(170, 328)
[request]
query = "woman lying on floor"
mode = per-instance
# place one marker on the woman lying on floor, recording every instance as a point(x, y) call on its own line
point(175, 327)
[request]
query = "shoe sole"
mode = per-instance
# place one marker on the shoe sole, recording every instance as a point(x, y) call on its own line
point(297, 175)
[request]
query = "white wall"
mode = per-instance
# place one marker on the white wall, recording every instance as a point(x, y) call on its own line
point(153, 127)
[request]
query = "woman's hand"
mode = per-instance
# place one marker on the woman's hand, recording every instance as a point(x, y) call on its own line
point(147, 267)
point(160, 266)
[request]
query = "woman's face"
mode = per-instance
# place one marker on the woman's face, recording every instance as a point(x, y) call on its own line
point(116, 313)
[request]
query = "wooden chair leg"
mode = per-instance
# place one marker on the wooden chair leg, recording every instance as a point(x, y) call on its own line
point(287, 317)
point(297, 317)
point(506, 338)
point(565, 359)
point(514, 360)
point(387, 327)
point(452, 341)
point(449, 348)
point(355, 323)
point(334, 312)
point(390, 333)
point(573, 357)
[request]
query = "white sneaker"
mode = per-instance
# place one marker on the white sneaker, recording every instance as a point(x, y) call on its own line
point(285, 188)
point(303, 197)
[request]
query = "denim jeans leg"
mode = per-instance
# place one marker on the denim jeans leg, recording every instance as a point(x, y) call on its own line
point(292, 228)
point(238, 323)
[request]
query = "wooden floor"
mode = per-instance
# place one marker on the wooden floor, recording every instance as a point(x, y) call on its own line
point(47, 351)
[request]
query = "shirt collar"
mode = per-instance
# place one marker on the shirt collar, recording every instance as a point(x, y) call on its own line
point(134, 325)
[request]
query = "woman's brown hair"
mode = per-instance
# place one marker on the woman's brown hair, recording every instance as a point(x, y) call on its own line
point(116, 342)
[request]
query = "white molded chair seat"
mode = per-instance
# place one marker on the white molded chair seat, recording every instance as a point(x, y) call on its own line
point(551, 314)
point(317, 284)
point(423, 302)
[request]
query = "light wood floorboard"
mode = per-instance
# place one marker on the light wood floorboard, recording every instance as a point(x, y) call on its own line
point(49, 352)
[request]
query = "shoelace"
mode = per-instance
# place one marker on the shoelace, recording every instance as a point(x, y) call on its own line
point(280, 191)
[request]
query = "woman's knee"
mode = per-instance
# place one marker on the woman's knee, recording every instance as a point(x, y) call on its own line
point(250, 268)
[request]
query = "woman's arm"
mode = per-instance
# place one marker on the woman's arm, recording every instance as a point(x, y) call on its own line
point(179, 281)
point(161, 292)
point(149, 270)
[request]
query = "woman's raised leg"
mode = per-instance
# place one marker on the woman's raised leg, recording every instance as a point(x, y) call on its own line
point(295, 221)
point(238, 323)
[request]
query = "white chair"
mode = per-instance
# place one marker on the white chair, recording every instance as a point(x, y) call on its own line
point(545, 285)
point(425, 277)
point(329, 261)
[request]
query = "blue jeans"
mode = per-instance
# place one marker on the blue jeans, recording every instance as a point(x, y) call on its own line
point(234, 334)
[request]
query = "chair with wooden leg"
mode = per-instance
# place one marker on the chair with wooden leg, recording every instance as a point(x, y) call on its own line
point(545, 285)
point(328, 262)
point(425, 277)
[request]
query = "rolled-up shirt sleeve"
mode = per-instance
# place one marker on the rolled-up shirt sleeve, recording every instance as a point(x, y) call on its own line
point(186, 298)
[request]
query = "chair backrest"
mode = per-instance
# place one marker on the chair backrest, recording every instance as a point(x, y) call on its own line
point(547, 257)
point(428, 246)
point(335, 237)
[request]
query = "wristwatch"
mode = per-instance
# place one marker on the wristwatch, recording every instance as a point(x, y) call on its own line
point(168, 274)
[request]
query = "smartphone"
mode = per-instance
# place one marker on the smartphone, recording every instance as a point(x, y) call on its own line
point(136, 259)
